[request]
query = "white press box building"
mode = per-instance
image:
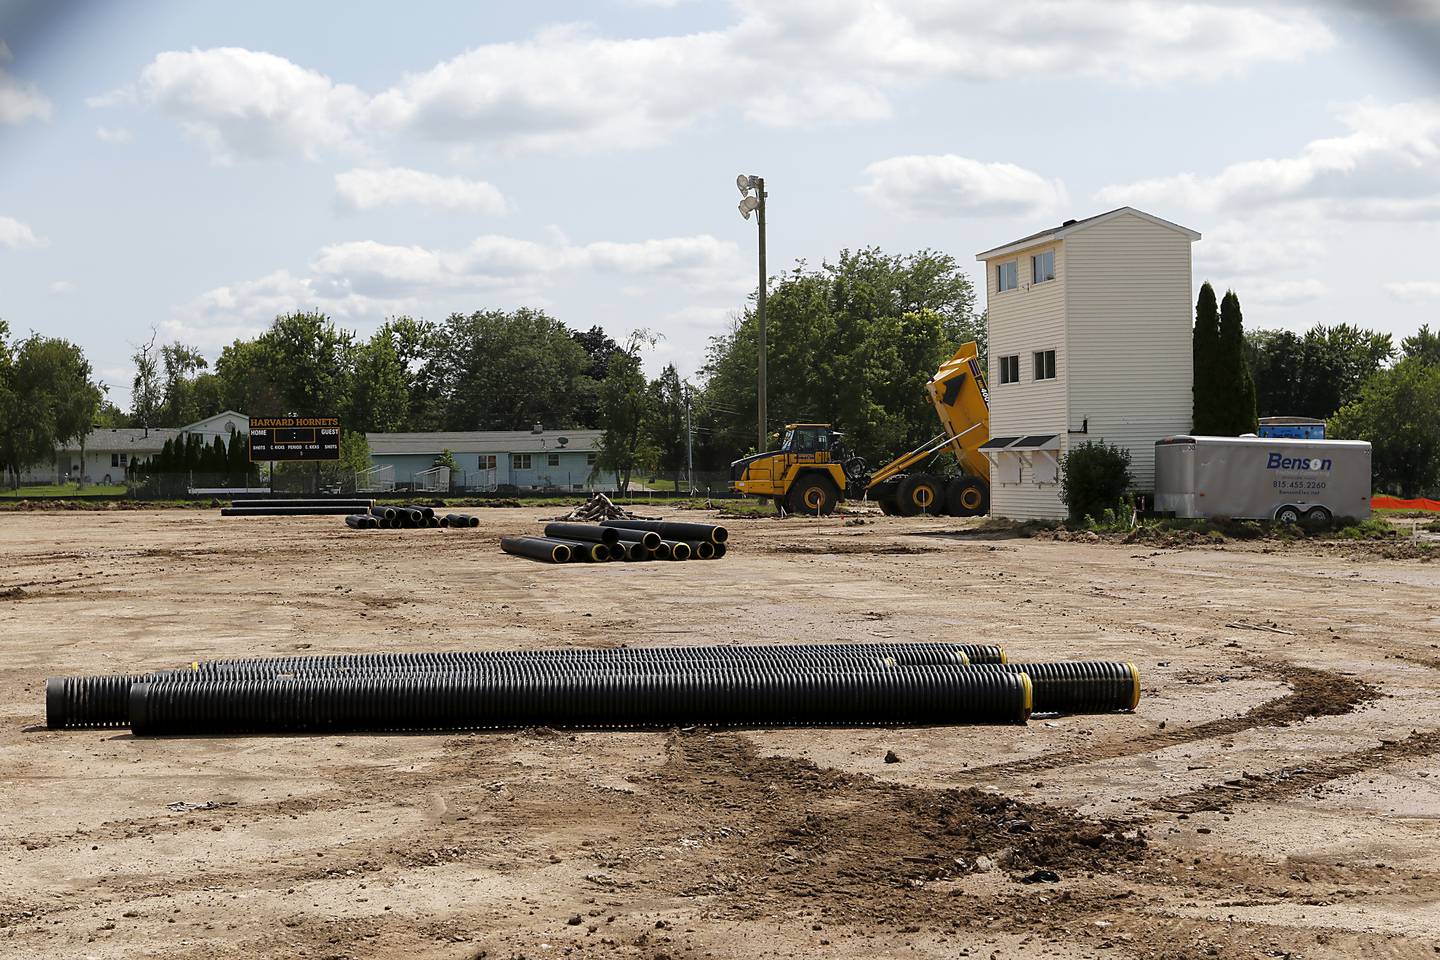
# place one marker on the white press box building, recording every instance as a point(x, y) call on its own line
point(1090, 339)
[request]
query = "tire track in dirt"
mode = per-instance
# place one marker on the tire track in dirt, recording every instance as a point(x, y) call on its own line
point(1314, 693)
point(1290, 781)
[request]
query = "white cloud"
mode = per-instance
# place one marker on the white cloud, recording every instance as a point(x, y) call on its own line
point(948, 185)
point(1269, 243)
point(61, 287)
point(361, 280)
point(367, 189)
point(20, 102)
point(1414, 291)
point(798, 64)
point(1386, 167)
point(113, 135)
point(247, 104)
point(1281, 293)
point(15, 235)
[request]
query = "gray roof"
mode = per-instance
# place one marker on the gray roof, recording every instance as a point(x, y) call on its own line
point(1070, 226)
point(483, 441)
point(130, 440)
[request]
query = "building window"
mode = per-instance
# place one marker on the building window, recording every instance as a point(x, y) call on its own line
point(552, 460)
point(123, 457)
point(1042, 266)
point(519, 461)
point(1010, 369)
point(589, 459)
point(486, 461)
point(1007, 275)
point(114, 459)
point(1044, 364)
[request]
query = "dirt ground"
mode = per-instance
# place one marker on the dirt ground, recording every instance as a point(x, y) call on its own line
point(1277, 793)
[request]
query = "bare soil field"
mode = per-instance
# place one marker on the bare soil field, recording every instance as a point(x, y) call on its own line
point(1276, 794)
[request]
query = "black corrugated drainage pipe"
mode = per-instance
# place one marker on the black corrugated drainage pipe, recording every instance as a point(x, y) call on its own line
point(362, 521)
point(1078, 686)
point(592, 551)
point(537, 548)
point(305, 502)
point(983, 652)
point(900, 695)
point(674, 530)
point(384, 513)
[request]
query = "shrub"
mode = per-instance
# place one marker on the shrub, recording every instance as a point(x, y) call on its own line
point(1094, 478)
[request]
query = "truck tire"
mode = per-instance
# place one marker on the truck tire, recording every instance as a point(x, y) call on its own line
point(920, 493)
point(1287, 514)
point(813, 496)
point(967, 497)
point(887, 506)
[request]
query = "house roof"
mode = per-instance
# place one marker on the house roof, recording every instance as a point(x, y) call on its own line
point(216, 416)
point(1074, 226)
point(131, 440)
point(483, 441)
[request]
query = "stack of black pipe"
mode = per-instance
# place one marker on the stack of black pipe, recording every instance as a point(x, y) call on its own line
point(776, 685)
point(305, 507)
point(622, 540)
point(407, 516)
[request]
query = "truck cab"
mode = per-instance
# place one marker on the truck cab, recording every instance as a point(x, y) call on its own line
point(806, 475)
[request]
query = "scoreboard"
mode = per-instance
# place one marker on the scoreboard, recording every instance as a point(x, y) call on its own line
point(294, 438)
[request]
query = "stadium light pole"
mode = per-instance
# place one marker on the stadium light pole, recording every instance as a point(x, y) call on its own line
point(756, 204)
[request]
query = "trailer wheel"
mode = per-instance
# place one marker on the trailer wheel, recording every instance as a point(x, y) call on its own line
point(919, 493)
point(813, 496)
point(1318, 517)
point(1287, 514)
point(967, 497)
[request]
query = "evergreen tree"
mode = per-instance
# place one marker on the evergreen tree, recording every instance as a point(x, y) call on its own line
point(1206, 356)
point(1235, 387)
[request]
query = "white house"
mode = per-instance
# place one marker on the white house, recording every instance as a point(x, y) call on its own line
point(1090, 339)
point(108, 451)
point(491, 459)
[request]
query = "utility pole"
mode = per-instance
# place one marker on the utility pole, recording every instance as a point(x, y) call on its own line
point(761, 444)
point(756, 204)
point(689, 447)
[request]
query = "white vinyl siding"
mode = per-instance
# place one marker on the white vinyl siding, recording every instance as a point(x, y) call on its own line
point(1022, 322)
point(1130, 294)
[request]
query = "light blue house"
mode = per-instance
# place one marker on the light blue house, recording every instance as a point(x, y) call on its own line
point(489, 460)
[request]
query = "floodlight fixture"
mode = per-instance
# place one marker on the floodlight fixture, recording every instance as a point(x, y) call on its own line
point(744, 182)
point(748, 206)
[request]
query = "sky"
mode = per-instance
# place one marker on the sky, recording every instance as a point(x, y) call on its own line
point(198, 168)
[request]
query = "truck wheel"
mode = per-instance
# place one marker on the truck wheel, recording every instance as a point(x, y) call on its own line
point(1287, 515)
point(887, 507)
point(813, 496)
point(967, 497)
point(1318, 517)
point(919, 493)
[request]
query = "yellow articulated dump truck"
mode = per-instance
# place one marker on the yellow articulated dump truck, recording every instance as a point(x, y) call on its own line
point(814, 469)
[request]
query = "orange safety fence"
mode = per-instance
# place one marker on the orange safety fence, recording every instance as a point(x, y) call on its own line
point(1396, 503)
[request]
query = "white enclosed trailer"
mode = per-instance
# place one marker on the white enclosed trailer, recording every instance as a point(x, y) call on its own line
point(1262, 478)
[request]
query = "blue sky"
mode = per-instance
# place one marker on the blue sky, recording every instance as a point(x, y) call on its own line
point(201, 167)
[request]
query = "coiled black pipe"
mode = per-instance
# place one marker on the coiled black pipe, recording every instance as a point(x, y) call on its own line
point(673, 529)
point(1078, 686)
point(983, 652)
point(904, 695)
point(537, 548)
point(649, 538)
